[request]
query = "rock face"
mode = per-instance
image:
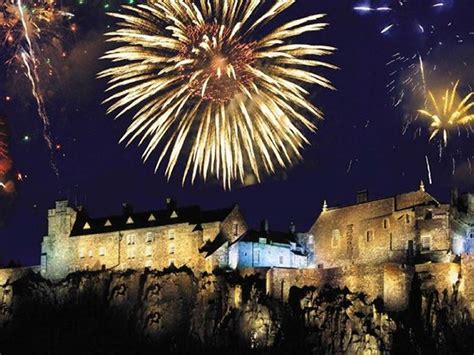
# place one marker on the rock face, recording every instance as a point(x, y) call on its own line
point(144, 312)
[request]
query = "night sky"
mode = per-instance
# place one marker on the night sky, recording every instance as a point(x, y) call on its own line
point(363, 143)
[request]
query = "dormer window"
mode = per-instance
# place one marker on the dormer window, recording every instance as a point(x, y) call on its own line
point(129, 220)
point(87, 226)
point(152, 218)
point(108, 223)
point(174, 215)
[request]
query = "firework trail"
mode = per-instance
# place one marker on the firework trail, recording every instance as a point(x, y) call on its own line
point(6, 185)
point(428, 168)
point(25, 28)
point(202, 86)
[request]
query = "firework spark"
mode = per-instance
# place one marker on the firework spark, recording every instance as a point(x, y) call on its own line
point(203, 85)
point(26, 28)
point(449, 112)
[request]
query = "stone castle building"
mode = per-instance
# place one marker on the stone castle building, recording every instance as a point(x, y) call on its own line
point(395, 229)
point(376, 246)
point(154, 239)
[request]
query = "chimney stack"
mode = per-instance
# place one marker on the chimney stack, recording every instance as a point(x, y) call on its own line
point(170, 203)
point(362, 196)
point(127, 209)
point(292, 228)
point(264, 225)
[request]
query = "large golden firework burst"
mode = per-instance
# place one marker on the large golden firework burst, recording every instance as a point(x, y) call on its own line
point(204, 81)
point(449, 112)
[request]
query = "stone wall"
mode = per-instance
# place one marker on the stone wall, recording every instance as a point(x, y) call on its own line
point(10, 275)
point(467, 275)
point(438, 276)
point(390, 282)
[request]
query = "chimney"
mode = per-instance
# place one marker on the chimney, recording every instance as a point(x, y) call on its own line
point(292, 228)
point(362, 196)
point(454, 197)
point(170, 203)
point(127, 209)
point(264, 225)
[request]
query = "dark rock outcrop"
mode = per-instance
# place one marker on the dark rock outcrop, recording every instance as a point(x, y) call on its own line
point(147, 312)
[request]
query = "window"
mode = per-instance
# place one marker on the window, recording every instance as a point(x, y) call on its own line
point(43, 262)
point(148, 251)
point(131, 253)
point(149, 238)
point(90, 254)
point(336, 238)
point(320, 266)
point(82, 253)
point(391, 241)
point(171, 249)
point(407, 219)
point(236, 229)
point(257, 257)
point(426, 243)
point(281, 260)
point(386, 223)
point(171, 234)
point(102, 251)
point(369, 235)
point(148, 263)
point(171, 262)
point(131, 239)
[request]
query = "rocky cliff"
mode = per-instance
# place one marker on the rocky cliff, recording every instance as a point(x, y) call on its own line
point(145, 312)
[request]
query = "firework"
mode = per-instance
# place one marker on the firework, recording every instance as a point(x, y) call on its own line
point(449, 112)
point(405, 15)
point(27, 28)
point(203, 85)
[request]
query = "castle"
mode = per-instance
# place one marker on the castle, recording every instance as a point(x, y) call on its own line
point(373, 246)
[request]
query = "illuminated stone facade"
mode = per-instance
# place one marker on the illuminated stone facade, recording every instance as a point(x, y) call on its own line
point(395, 229)
point(462, 223)
point(134, 240)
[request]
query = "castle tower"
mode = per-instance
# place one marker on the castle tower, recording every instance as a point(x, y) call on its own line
point(55, 248)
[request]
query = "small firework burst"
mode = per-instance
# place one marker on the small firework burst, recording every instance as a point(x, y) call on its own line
point(449, 112)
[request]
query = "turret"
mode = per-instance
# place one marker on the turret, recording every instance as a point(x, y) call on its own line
point(55, 248)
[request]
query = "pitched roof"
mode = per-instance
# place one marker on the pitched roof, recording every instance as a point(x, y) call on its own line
point(130, 221)
point(380, 207)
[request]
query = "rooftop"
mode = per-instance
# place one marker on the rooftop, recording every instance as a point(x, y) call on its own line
point(193, 215)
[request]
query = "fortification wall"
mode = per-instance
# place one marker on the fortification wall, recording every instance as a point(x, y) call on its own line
point(12, 274)
point(390, 282)
point(438, 276)
point(467, 274)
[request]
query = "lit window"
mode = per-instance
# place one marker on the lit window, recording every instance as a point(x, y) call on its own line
point(149, 237)
point(131, 239)
point(236, 229)
point(369, 235)
point(171, 234)
point(90, 254)
point(147, 263)
point(426, 243)
point(82, 253)
point(102, 251)
point(386, 223)
point(148, 251)
point(131, 253)
point(336, 238)
point(171, 249)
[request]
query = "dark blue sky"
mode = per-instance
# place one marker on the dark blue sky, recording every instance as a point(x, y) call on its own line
point(361, 126)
